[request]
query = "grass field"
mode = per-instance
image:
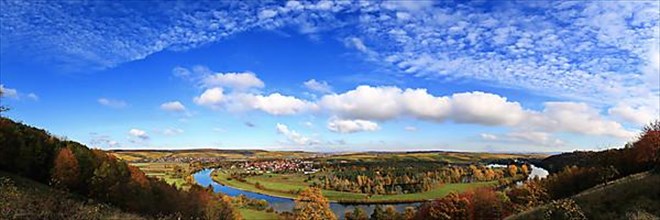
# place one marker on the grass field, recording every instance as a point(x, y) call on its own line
point(251, 214)
point(164, 171)
point(280, 185)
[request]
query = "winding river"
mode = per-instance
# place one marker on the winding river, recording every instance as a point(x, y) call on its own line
point(280, 204)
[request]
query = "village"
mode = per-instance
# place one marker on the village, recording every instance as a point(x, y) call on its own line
point(277, 166)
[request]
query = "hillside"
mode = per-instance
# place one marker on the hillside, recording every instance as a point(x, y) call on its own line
point(35, 154)
point(633, 197)
point(21, 198)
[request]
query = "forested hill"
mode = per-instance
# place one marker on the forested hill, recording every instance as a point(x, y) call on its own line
point(635, 157)
point(70, 166)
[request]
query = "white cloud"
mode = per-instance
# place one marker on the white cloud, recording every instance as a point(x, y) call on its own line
point(174, 106)
point(237, 81)
point(33, 96)
point(528, 138)
point(8, 92)
point(578, 118)
point(15, 94)
point(639, 116)
point(410, 128)
point(267, 13)
point(274, 104)
point(351, 126)
point(112, 103)
point(138, 133)
point(485, 108)
point(365, 102)
point(357, 44)
point(488, 137)
point(387, 103)
point(318, 86)
point(294, 136)
point(212, 98)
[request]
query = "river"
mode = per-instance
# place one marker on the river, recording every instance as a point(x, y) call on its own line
point(280, 204)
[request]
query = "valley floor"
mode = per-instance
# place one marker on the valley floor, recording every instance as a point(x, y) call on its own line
point(286, 185)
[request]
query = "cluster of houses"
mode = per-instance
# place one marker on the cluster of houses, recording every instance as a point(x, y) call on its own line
point(277, 166)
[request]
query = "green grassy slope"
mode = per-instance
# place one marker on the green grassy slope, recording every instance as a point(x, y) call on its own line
point(21, 198)
point(632, 197)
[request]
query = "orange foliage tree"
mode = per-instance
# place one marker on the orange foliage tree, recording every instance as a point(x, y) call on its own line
point(65, 169)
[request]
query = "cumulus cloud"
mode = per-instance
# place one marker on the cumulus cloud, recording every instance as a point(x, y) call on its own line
point(138, 133)
point(318, 86)
point(637, 115)
point(351, 126)
point(387, 103)
point(410, 128)
point(112, 103)
point(294, 137)
point(211, 98)
point(274, 104)
point(238, 81)
point(578, 118)
point(173, 106)
point(485, 108)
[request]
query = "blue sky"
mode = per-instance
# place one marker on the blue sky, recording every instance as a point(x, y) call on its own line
point(334, 76)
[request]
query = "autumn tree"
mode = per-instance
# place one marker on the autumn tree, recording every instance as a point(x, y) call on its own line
point(647, 147)
point(488, 204)
point(524, 169)
point(453, 206)
point(312, 205)
point(65, 169)
point(513, 169)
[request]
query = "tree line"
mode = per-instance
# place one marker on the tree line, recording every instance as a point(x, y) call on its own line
point(396, 177)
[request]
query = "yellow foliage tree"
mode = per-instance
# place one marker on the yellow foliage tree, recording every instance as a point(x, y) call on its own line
point(311, 205)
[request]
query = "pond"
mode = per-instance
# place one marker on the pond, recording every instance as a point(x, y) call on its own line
point(280, 204)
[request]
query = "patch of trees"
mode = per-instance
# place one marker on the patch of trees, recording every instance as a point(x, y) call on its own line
point(70, 166)
point(483, 203)
point(399, 177)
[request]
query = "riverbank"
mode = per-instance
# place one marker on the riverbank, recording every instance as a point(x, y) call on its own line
point(287, 186)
